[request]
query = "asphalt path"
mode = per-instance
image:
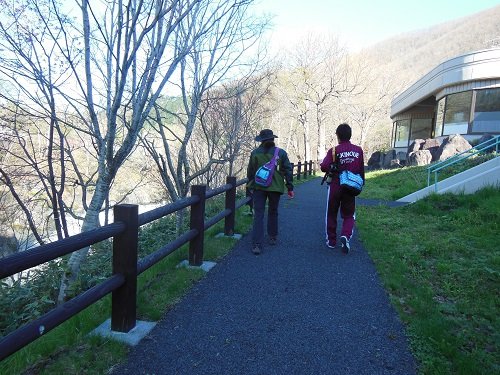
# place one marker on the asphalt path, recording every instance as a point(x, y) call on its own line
point(298, 308)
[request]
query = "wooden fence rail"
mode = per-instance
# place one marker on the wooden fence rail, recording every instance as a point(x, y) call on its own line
point(303, 169)
point(126, 266)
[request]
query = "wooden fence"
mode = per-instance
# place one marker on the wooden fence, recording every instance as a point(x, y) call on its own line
point(303, 169)
point(122, 284)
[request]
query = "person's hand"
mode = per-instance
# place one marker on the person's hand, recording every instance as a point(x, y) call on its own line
point(291, 194)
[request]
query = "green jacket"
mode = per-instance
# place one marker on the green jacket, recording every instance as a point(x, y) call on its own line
point(282, 174)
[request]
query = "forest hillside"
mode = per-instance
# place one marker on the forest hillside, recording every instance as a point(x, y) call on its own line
point(412, 55)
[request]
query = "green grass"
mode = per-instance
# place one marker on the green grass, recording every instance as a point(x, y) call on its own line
point(69, 349)
point(439, 260)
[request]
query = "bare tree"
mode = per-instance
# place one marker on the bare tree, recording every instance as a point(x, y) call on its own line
point(230, 117)
point(321, 71)
point(107, 61)
point(216, 57)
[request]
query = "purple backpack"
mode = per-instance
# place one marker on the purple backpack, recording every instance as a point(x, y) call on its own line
point(264, 175)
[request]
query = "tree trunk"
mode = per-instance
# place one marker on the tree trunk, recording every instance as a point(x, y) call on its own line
point(90, 222)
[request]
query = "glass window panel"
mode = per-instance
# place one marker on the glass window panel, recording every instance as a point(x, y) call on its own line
point(421, 128)
point(487, 111)
point(457, 114)
point(402, 133)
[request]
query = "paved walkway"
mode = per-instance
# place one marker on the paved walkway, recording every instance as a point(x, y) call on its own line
point(299, 308)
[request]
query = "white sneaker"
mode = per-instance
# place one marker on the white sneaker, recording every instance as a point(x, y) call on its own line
point(345, 244)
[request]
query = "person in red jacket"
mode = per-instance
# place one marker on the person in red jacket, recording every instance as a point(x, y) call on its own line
point(344, 156)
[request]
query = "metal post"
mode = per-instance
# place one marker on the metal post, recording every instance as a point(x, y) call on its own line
point(230, 205)
point(124, 299)
point(197, 222)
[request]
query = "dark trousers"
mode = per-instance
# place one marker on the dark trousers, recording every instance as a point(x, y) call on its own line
point(259, 204)
point(347, 205)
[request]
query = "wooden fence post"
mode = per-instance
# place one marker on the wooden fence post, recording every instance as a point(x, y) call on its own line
point(230, 205)
point(310, 167)
point(299, 170)
point(124, 299)
point(293, 166)
point(197, 221)
point(305, 169)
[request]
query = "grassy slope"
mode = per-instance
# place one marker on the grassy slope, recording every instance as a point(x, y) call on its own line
point(439, 260)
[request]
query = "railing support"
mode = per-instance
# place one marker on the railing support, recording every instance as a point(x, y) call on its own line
point(197, 222)
point(293, 167)
point(299, 170)
point(305, 169)
point(230, 205)
point(124, 299)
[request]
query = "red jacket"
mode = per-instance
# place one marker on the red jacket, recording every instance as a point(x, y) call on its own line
point(349, 157)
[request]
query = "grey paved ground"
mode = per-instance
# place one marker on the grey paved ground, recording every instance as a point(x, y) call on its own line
point(299, 308)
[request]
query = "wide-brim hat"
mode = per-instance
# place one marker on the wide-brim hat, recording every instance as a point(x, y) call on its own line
point(264, 135)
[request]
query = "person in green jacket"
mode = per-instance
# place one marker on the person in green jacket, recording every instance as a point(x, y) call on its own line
point(282, 177)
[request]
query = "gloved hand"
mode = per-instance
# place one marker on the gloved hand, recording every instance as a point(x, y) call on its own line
point(291, 194)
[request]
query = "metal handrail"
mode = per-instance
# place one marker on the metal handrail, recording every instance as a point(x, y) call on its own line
point(435, 168)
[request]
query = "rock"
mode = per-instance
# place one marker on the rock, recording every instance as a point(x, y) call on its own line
point(401, 156)
point(452, 145)
point(432, 144)
point(374, 161)
point(388, 158)
point(395, 163)
point(415, 146)
point(420, 157)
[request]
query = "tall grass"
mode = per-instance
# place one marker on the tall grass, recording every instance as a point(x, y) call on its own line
point(439, 260)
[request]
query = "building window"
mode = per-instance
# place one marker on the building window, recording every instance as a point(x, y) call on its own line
point(421, 128)
point(402, 133)
point(457, 113)
point(487, 111)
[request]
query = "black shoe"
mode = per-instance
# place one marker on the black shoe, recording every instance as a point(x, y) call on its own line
point(345, 244)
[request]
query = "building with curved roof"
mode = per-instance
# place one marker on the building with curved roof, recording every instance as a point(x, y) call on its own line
point(459, 96)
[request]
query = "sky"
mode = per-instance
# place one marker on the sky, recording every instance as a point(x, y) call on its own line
point(361, 23)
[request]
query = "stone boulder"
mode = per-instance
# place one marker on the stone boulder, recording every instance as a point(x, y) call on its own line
point(395, 163)
point(374, 160)
point(432, 144)
point(420, 157)
point(452, 145)
point(401, 156)
point(387, 160)
point(415, 146)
